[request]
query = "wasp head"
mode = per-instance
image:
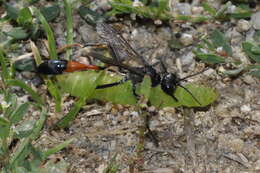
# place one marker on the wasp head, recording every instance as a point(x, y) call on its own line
point(169, 84)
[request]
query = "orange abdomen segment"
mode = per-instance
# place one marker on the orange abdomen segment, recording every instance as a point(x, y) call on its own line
point(76, 66)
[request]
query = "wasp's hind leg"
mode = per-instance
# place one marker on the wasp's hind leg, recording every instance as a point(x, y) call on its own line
point(134, 91)
point(173, 97)
point(112, 84)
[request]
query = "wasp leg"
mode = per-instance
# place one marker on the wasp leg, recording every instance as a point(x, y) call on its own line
point(96, 45)
point(134, 91)
point(68, 46)
point(118, 83)
point(173, 97)
point(150, 133)
point(112, 84)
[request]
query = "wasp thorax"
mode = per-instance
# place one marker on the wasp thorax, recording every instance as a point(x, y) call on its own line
point(155, 77)
point(169, 83)
point(52, 67)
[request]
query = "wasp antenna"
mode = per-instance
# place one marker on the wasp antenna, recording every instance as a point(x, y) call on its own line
point(194, 74)
point(190, 94)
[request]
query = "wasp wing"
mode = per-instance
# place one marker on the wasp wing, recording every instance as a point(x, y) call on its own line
point(120, 49)
point(110, 61)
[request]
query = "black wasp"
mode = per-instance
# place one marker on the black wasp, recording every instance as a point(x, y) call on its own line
point(121, 50)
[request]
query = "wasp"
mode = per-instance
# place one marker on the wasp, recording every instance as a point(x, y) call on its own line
point(121, 50)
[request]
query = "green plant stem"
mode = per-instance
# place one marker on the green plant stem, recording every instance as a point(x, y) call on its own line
point(69, 23)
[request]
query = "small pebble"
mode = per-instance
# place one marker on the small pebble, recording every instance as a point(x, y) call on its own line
point(197, 10)
point(157, 22)
point(245, 108)
point(186, 39)
point(243, 25)
point(257, 165)
point(248, 79)
point(183, 8)
point(137, 3)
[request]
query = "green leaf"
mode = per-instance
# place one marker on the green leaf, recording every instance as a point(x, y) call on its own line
point(79, 83)
point(145, 87)
point(256, 36)
point(241, 12)
point(18, 33)
point(57, 148)
point(39, 124)
point(50, 36)
point(24, 17)
point(24, 129)
point(123, 94)
point(18, 114)
point(256, 49)
point(11, 102)
point(219, 40)
point(50, 13)
point(82, 84)
point(255, 73)
point(11, 11)
point(25, 64)
point(160, 99)
point(120, 94)
point(204, 94)
point(4, 130)
point(4, 122)
point(21, 152)
point(155, 10)
point(209, 9)
point(210, 58)
point(5, 73)
point(223, 9)
point(247, 46)
point(90, 16)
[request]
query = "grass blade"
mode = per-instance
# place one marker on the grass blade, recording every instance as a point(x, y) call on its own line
point(72, 113)
point(5, 72)
point(69, 23)
point(36, 53)
point(35, 96)
point(21, 152)
point(18, 114)
point(55, 92)
point(50, 36)
point(38, 125)
point(57, 148)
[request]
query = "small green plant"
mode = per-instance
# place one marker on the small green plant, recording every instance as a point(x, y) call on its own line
point(160, 10)
point(24, 26)
point(154, 10)
point(219, 51)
